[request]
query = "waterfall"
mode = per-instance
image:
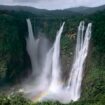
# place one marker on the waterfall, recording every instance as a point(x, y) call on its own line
point(56, 75)
point(40, 55)
point(32, 47)
point(76, 74)
point(46, 83)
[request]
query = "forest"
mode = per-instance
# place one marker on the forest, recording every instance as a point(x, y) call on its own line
point(15, 62)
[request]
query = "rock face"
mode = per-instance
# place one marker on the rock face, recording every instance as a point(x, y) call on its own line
point(3, 69)
point(66, 65)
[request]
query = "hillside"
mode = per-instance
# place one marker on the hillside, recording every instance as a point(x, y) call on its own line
point(36, 11)
point(86, 10)
point(15, 62)
point(68, 11)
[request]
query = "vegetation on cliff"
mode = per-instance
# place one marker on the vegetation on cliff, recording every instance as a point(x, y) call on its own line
point(14, 60)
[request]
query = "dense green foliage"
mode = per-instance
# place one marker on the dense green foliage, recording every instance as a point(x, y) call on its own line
point(14, 100)
point(12, 46)
point(14, 60)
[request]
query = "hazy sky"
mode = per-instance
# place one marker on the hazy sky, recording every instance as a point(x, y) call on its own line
point(53, 4)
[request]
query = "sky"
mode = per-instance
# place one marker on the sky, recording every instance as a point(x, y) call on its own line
point(53, 4)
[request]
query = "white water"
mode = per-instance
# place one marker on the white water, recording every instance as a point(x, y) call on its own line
point(76, 74)
point(45, 82)
point(56, 73)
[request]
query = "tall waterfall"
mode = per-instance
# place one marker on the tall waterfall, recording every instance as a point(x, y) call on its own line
point(45, 83)
point(76, 74)
point(56, 75)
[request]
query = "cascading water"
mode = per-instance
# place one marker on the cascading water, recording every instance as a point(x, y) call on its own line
point(56, 75)
point(32, 47)
point(46, 83)
point(76, 74)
